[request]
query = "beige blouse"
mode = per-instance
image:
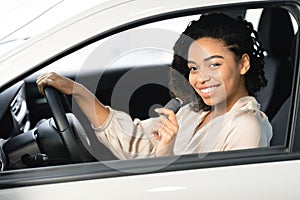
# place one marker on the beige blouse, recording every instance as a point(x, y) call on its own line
point(244, 126)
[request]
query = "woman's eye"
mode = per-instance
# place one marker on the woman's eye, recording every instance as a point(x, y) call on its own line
point(213, 65)
point(192, 68)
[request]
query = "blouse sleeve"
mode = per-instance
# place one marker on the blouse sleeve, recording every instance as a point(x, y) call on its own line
point(249, 129)
point(127, 138)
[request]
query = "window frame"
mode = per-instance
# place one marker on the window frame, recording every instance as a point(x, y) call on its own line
point(96, 170)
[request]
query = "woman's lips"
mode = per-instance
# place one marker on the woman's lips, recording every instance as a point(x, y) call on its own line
point(207, 92)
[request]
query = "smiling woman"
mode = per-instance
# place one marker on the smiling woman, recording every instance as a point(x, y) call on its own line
point(217, 141)
point(223, 68)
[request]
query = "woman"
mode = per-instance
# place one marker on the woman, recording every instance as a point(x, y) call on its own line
point(222, 60)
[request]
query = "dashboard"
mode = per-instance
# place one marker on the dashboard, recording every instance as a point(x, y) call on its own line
point(14, 114)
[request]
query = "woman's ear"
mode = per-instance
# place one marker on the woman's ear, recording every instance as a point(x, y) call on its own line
point(245, 64)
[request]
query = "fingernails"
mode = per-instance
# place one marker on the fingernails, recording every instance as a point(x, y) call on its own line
point(157, 110)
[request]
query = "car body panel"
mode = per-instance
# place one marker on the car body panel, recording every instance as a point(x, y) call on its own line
point(261, 179)
point(232, 182)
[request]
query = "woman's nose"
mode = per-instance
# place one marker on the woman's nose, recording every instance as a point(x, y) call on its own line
point(202, 77)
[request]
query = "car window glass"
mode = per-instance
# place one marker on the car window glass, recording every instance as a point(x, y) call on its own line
point(112, 77)
point(141, 56)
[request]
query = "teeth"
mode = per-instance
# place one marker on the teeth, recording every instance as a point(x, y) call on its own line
point(208, 90)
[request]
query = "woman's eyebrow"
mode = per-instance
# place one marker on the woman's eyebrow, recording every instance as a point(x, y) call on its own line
point(192, 62)
point(211, 57)
point(206, 59)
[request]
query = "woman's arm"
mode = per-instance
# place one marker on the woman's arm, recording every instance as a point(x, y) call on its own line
point(95, 111)
point(97, 114)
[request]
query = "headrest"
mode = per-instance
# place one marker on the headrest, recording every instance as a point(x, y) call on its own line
point(276, 31)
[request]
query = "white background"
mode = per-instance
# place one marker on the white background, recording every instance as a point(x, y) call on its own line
point(21, 19)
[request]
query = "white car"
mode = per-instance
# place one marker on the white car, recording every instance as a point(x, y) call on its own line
point(121, 51)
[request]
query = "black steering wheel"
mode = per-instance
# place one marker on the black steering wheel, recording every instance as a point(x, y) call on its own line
point(68, 136)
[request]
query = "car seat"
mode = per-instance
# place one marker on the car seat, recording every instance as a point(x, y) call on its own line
point(280, 120)
point(277, 35)
point(276, 32)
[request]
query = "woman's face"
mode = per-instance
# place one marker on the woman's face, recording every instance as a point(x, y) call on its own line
point(215, 73)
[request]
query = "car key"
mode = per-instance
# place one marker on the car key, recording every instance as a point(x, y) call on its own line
point(174, 104)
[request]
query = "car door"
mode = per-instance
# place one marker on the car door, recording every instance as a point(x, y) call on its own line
point(126, 67)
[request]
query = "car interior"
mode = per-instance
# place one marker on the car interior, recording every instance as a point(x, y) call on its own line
point(30, 136)
point(275, 24)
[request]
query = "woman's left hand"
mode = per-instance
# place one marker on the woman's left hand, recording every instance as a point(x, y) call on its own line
point(167, 132)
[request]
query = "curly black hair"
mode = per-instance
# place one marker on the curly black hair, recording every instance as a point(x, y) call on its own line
point(240, 38)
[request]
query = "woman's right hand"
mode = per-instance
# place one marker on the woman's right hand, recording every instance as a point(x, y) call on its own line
point(62, 84)
point(89, 104)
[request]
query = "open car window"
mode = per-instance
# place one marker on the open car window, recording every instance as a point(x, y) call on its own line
point(128, 70)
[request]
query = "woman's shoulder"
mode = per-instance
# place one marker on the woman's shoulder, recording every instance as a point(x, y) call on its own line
point(248, 119)
point(245, 105)
point(247, 111)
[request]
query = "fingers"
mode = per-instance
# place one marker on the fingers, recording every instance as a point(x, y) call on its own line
point(44, 80)
point(166, 136)
point(164, 111)
point(169, 126)
point(48, 79)
point(62, 84)
point(167, 112)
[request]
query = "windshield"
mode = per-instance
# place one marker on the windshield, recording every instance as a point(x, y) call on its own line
point(23, 19)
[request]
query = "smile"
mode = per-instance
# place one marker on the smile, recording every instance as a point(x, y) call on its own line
point(208, 90)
